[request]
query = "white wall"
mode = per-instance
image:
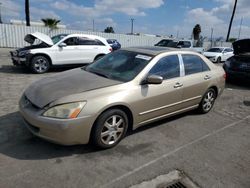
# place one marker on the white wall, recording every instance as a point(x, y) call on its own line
point(12, 36)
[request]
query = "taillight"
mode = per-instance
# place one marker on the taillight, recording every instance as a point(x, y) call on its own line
point(110, 49)
point(225, 75)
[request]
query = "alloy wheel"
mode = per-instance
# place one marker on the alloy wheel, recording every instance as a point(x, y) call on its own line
point(113, 129)
point(208, 101)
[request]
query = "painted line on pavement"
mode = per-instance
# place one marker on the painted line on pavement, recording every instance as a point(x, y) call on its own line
point(172, 152)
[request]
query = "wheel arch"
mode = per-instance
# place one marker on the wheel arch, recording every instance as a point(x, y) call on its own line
point(122, 107)
point(39, 54)
point(98, 55)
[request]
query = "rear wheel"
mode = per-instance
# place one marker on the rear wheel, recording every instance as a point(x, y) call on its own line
point(110, 128)
point(39, 64)
point(207, 101)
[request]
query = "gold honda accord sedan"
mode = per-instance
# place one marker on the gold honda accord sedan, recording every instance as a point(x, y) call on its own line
point(124, 90)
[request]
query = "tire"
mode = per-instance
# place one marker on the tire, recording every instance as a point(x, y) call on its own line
point(218, 60)
point(39, 64)
point(109, 129)
point(98, 57)
point(207, 101)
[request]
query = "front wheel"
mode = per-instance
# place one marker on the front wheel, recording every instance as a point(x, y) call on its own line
point(110, 128)
point(207, 101)
point(39, 64)
point(218, 60)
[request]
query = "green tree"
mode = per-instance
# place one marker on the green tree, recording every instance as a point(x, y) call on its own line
point(27, 12)
point(109, 30)
point(50, 22)
point(231, 21)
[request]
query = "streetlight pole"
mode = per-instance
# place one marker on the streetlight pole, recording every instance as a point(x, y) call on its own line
point(132, 25)
point(0, 14)
point(240, 27)
point(212, 31)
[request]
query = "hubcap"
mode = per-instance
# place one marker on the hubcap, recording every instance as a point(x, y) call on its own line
point(41, 65)
point(208, 101)
point(112, 130)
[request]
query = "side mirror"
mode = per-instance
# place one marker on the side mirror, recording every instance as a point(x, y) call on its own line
point(61, 45)
point(153, 79)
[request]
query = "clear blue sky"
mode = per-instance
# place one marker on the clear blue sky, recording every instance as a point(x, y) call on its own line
point(164, 17)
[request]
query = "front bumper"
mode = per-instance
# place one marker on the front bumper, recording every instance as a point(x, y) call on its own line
point(213, 59)
point(61, 131)
point(16, 60)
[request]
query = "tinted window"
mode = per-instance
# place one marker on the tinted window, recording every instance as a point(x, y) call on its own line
point(194, 64)
point(71, 41)
point(184, 44)
point(87, 41)
point(167, 67)
point(163, 43)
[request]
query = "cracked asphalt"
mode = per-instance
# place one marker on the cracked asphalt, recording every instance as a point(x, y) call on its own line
point(212, 149)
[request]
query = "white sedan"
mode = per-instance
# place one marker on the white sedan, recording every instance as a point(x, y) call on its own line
point(219, 54)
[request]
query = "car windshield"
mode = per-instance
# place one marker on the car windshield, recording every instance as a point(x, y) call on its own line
point(163, 43)
point(215, 50)
point(121, 65)
point(57, 38)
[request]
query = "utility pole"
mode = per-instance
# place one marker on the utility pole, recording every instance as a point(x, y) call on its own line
point(240, 27)
point(93, 25)
point(212, 31)
point(132, 25)
point(0, 14)
point(177, 35)
point(231, 20)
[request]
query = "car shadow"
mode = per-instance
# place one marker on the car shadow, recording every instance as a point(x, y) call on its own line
point(19, 143)
point(10, 69)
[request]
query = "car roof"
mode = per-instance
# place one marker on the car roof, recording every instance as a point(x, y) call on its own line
point(153, 50)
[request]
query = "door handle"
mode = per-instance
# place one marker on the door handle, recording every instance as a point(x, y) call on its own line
point(177, 85)
point(207, 77)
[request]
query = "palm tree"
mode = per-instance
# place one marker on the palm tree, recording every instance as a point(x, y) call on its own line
point(231, 21)
point(27, 12)
point(50, 22)
point(197, 31)
point(196, 35)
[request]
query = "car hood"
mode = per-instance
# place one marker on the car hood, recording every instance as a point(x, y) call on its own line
point(30, 38)
point(241, 46)
point(211, 54)
point(49, 89)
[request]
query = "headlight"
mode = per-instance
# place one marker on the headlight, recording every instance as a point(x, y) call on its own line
point(65, 111)
point(22, 53)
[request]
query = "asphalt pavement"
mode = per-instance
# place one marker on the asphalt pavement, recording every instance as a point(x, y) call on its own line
point(212, 149)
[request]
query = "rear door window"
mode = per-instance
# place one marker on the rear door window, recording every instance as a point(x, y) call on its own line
point(87, 41)
point(168, 67)
point(193, 64)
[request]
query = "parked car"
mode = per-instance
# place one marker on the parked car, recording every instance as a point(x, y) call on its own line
point(59, 50)
point(219, 54)
point(114, 44)
point(187, 44)
point(238, 66)
point(124, 90)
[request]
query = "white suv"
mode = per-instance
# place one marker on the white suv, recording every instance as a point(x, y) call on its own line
point(59, 50)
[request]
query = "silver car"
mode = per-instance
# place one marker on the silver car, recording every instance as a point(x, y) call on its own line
point(124, 90)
